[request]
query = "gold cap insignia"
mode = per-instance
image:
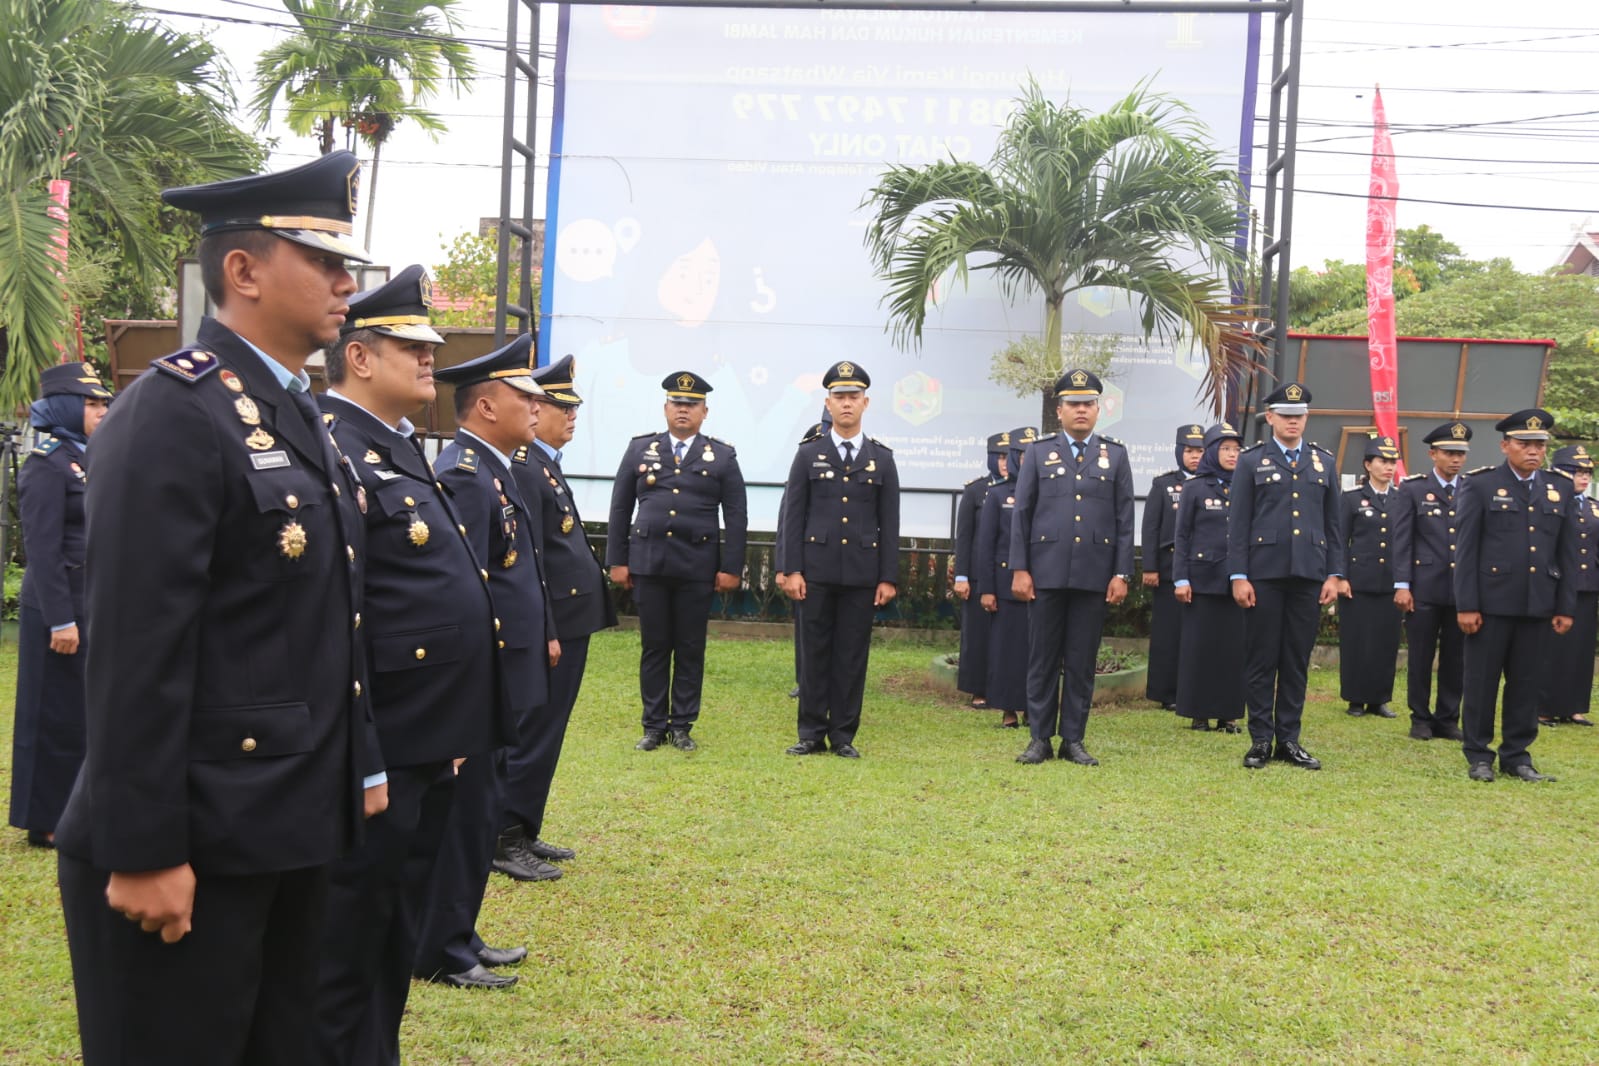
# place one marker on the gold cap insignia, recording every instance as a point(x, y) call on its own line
point(1457, 431)
point(291, 540)
point(1294, 393)
point(1227, 427)
point(1079, 378)
point(1004, 440)
point(685, 382)
point(1534, 422)
point(1581, 452)
point(1029, 435)
point(352, 186)
point(846, 370)
point(425, 289)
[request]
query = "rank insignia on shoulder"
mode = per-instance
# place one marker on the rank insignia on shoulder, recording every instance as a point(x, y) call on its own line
point(1415, 477)
point(1563, 473)
point(1481, 470)
point(1111, 440)
point(187, 365)
point(880, 444)
point(520, 455)
point(1255, 445)
point(812, 436)
point(974, 481)
point(467, 461)
point(644, 436)
point(46, 444)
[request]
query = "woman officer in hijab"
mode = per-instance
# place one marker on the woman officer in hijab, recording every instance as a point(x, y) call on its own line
point(1210, 663)
point(47, 742)
point(1567, 683)
point(1007, 638)
point(1368, 621)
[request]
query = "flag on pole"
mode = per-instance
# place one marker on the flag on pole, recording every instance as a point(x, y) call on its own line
point(60, 198)
point(1380, 227)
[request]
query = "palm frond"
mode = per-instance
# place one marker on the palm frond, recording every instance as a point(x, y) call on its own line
point(33, 306)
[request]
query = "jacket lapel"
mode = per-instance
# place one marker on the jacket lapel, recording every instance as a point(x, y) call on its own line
point(284, 417)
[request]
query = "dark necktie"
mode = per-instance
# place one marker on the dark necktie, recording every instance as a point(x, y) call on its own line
point(308, 410)
point(677, 452)
point(1293, 457)
point(1449, 493)
point(849, 452)
point(1077, 450)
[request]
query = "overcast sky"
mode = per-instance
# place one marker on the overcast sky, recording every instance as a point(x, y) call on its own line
point(1490, 104)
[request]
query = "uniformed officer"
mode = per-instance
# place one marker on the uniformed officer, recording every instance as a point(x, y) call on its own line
point(672, 555)
point(494, 399)
point(840, 537)
point(47, 741)
point(1071, 554)
point(1424, 587)
point(582, 606)
point(780, 570)
point(972, 675)
point(1284, 556)
point(1006, 682)
point(229, 729)
point(428, 626)
point(1567, 676)
point(1368, 619)
point(1210, 672)
point(1514, 581)
point(1159, 535)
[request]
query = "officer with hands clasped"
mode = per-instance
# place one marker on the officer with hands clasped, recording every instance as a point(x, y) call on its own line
point(1284, 556)
point(229, 734)
point(1158, 538)
point(973, 674)
point(1567, 682)
point(672, 553)
point(1424, 543)
point(1071, 554)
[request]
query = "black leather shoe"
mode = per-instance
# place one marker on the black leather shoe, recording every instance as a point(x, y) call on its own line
point(1257, 755)
point(1382, 710)
point(1294, 755)
point(1224, 726)
point(1420, 731)
point(1480, 771)
point(681, 740)
point(1526, 773)
point(1078, 754)
point(551, 852)
point(806, 747)
point(479, 976)
point(514, 859)
point(1199, 725)
point(846, 751)
point(500, 956)
point(40, 840)
point(1356, 710)
point(1579, 719)
point(1012, 724)
point(1447, 731)
point(793, 693)
point(1037, 751)
point(651, 740)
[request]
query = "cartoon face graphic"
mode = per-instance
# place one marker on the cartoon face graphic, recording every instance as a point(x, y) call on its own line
point(688, 288)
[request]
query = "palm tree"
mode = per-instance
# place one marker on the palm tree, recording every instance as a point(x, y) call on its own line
point(365, 66)
point(1132, 198)
point(99, 94)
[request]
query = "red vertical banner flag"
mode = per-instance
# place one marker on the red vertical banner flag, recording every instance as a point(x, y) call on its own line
point(60, 198)
point(1380, 227)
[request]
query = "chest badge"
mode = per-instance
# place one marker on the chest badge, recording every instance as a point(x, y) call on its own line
point(707, 455)
point(567, 524)
point(291, 540)
point(510, 559)
point(247, 411)
point(260, 440)
point(418, 532)
point(231, 380)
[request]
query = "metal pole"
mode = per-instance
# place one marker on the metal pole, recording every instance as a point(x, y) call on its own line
point(525, 293)
point(1290, 142)
point(1117, 7)
point(502, 269)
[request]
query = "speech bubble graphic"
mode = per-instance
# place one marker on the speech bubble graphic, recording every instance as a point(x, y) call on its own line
point(586, 250)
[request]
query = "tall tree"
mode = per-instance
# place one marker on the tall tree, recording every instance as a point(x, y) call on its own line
point(1133, 198)
point(100, 94)
point(364, 66)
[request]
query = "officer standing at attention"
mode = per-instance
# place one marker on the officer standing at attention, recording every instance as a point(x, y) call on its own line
point(494, 397)
point(780, 571)
point(672, 554)
point(47, 743)
point(1071, 554)
point(1210, 677)
point(429, 632)
point(1006, 683)
point(840, 538)
point(973, 673)
point(1159, 538)
point(582, 606)
point(1284, 557)
point(1568, 672)
point(229, 729)
point(1368, 620)
point(1514, 581)
point(1424, 583)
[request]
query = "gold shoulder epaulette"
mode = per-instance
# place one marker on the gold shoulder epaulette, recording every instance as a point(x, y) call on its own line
point(1415, 477)
point(1481, 470)
point(880, 444)
point(467, 460)
point(187, 365)
point(520, 455)
point(46, 444)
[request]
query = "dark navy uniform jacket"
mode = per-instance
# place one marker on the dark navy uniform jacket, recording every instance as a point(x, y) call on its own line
point(1515, 556)
point(428, 621)
point(499, 527)
point(991, 562)
point(676, 533)
point(841, 523)
point(1285, 522)
point(228, 717)
point(1073, 527)
point(1159, 531)
point(579, 596)
point(1368, 538)
point(1423, 526)
point(1199, 554)
point(50, 491)
point(967, 512)
point(1585, 516)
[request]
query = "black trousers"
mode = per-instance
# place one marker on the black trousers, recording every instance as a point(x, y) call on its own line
point(376, 896)
point(1368, 651)
point(1063, 632)
point(1279, 633)
point(837, 623)
point(238, 990)
point(455, 893)
point(1165, 642)
point(1431, 629)
point(1511, 648)
point(673, 614)
point(47, 743)
point(530, 763)
point(1566, 687)
point(976, 634)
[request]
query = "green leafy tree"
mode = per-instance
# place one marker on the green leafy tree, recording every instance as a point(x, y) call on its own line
point(467, 275)
point(364, 66)
point(1133, 198)
point(100, 94)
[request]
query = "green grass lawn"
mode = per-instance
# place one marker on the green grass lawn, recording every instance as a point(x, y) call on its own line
point(934, 902)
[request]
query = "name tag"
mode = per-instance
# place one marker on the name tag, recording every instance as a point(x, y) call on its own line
point(269, 460)
point(384, 475)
